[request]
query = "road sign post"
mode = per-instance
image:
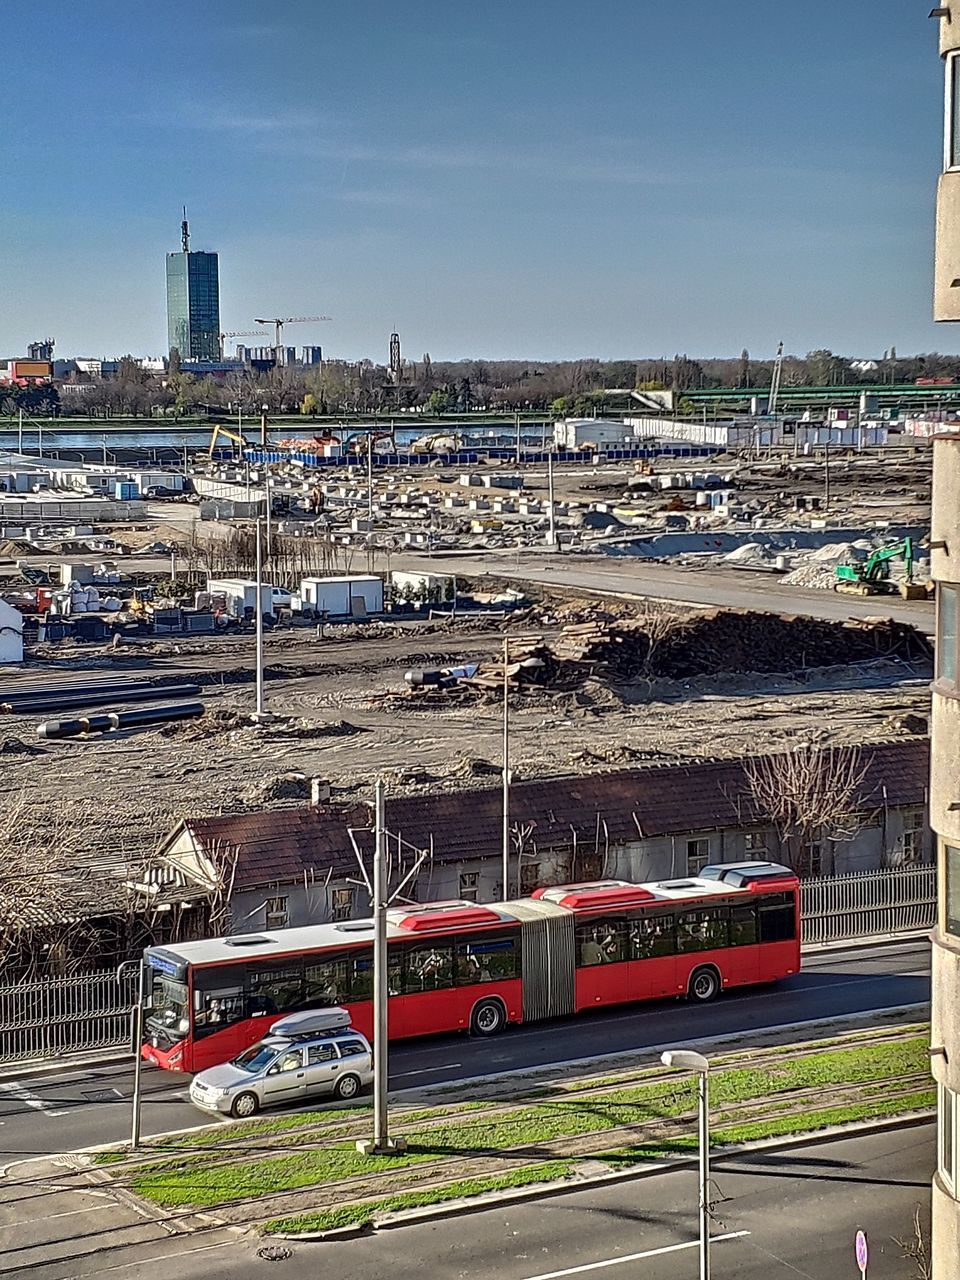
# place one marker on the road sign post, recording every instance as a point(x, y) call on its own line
point(862, 1253)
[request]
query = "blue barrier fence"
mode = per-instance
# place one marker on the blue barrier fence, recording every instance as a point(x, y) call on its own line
point(471, 457)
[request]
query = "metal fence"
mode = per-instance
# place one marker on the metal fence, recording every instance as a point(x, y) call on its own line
point(60, 1015)
point(864, 903)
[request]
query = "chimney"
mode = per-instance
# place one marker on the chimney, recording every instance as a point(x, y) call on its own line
point(319, 790)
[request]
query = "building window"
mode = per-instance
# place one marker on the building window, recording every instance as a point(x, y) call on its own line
point(529, 876)
point(948, 599)
point(951, 867)
point(341, 904)
point(947, 1114)
point(469, 886)
point(951, 126)
point(755, 845)
point(810, 862)
point(277, 916)
point(698, 855)
point(914, 836)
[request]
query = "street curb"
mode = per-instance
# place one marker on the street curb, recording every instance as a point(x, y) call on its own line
point(538, 1191)
point(113, 1058)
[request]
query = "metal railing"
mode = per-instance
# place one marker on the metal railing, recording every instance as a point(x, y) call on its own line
point(865, 903)
point(69, 1014)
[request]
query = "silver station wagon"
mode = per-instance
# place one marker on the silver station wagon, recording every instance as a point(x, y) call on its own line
point(305, 1055)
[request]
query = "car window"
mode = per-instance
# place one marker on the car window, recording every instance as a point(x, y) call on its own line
point(291, 1061)
point(350, 1047)
point(318, 1053)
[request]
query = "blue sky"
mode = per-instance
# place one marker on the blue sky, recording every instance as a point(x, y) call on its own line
point(533, 179)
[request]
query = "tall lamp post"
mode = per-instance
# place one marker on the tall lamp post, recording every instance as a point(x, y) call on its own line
point(506, 773)
point(687, 1060)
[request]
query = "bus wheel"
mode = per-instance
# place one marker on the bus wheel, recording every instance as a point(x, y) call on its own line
point(488, 1018)
point(704, 985)
point(244, 1105)
point(347, 1087)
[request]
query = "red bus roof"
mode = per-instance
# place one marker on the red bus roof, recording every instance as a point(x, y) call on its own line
point(444, 916)
point(603, 893)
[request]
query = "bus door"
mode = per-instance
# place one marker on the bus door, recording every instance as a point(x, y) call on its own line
point(420, 979)
point(653, 939)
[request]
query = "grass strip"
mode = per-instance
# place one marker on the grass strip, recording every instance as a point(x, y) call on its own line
point(350, 1215)
point(202, 1181)
point(358, 1214)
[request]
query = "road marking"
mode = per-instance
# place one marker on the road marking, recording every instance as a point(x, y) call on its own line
point(13, 1090)
point(184, 1253)
point(635, 1257)
point(426, 1071)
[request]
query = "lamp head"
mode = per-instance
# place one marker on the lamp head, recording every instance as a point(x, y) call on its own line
point(685, 1060)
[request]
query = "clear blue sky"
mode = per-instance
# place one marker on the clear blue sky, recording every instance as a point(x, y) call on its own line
point(531, 178)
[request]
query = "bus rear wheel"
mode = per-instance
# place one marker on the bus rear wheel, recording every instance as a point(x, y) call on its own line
point(245, 1105)
point(704, 986)
point(488, 1018)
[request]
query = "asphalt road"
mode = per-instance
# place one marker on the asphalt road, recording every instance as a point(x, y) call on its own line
point(793, 1213)
point(630, 575)
point(53, 1111)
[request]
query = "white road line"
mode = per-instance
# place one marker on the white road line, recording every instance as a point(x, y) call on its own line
point(426, 1071)
point(13, 1090)
point(183, 1253)
point(634, 1257)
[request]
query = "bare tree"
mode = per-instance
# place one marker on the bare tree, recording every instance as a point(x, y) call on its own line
point(809, 792)
point(914, 1249)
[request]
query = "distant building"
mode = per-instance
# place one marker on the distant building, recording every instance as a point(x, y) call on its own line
point(24, 372)
point(193, 302)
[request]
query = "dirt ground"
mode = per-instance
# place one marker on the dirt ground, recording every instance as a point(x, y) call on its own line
point(344, 714)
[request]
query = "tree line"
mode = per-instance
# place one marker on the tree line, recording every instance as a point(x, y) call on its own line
point(562, 387)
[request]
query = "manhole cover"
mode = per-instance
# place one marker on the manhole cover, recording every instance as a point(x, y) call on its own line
point(274, 1253)
point(102, 1095)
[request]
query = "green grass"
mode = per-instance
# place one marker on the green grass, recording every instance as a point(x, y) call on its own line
point(201, 1181)
point(352, 1215)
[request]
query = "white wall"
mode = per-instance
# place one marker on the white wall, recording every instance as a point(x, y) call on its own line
point(11, 634)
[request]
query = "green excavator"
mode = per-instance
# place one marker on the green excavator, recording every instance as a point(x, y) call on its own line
point(871, 576)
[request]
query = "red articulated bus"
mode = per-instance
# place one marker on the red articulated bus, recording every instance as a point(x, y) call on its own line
point(467, 966)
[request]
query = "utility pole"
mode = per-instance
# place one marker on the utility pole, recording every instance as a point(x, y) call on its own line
point(370, 477)
point(269, 506)
point(260, 714)
point(20, 434)
point(826, 472)
point(551, 528)
point(506, 773)
point(381, 1144)
point(263, 427)
point(136, 1035)
point(517, 415)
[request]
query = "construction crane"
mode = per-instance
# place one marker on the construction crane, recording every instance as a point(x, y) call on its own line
point(240, 333)
point(279, 321)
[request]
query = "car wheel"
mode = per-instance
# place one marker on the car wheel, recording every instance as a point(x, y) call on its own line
point(245, 1105)
point(704, 985)
point(347, 1087)
point(488, 1018)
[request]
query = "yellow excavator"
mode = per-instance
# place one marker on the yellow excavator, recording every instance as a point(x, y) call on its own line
point(220, 430)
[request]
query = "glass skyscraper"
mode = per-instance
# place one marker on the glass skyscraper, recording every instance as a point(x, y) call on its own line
point(193, 305)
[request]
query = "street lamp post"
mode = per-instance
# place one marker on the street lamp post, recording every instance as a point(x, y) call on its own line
point(260, 714)
point(687, 1060)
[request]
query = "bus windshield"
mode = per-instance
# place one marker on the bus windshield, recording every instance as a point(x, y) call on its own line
point(169, 1006)
point(256, 1058)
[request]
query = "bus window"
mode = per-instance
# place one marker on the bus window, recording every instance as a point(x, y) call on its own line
point(602, 942)
point(361, 978)
point(704, 930)
point(274, 988)
point(777, 919)
point(217, 1000)
point(652, 936)
point(428, 968)
point(326, 982)
point(486, 960)
point(743, 925)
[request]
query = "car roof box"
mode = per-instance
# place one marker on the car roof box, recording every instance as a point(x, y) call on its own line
point(311, 1022)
